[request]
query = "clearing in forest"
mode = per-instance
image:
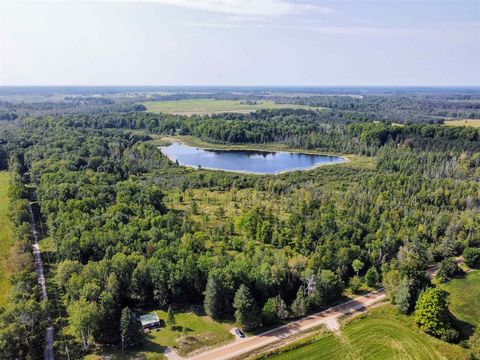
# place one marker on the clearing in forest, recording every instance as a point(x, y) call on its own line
point(464, 297)
point(463, 122)
point(211, 106)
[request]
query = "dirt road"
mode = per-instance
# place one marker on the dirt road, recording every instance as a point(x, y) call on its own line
point(327, 317)
point(48, 355)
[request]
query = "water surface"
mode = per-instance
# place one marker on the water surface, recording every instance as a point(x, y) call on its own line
point(257, 162)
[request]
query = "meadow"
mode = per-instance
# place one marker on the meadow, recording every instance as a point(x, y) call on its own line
point(380, 333)
point(5, 237)
point(464, 122)
point(210, 106)
point(464, 297)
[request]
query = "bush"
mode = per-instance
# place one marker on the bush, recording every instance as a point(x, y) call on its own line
point(355, 284)
point(448, 269)
point(372, 277)
point(269, 311)
point(472, 257)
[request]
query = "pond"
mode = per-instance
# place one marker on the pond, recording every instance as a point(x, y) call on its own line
point(245, 161)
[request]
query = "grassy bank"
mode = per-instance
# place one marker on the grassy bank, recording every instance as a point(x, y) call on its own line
point(5, 237)
point(211, 106)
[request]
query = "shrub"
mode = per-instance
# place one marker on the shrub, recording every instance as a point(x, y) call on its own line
point(448, 269)
point(472, 257)
point(372, 277)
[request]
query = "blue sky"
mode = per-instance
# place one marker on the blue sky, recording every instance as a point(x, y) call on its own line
point(240, 42)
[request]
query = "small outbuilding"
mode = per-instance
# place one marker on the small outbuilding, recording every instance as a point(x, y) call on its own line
point(150, 321)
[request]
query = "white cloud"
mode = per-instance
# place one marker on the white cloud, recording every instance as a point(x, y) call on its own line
point(254, 8)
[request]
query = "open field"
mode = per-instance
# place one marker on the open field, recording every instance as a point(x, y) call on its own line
point(209, 106)
point(5, 237)
point(464, 297)
point(464, 122)
point(381, 333)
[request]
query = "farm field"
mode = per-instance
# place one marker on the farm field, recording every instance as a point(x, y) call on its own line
point(5, 237)
point(464, 122)
point(209, 106)
point(379, 334)
point(464, 297)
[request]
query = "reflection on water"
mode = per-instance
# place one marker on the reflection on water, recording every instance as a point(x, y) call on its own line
point(260, 162)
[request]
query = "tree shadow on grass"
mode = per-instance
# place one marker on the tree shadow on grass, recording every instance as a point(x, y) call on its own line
point(465, 329)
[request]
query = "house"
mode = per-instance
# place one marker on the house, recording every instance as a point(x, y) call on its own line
point(150, 321)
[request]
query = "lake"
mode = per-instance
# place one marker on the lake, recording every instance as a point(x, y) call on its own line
point(255, 162)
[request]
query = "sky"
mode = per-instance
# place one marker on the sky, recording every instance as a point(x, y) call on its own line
point(240, 42)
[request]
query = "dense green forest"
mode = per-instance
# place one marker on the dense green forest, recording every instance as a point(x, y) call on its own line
point(128, 232)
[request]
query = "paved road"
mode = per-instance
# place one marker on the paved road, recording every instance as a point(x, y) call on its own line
point(48, 355)
point(327, 317)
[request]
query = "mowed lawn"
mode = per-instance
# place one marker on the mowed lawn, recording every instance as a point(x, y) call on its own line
point(190, 333)
point(463, 122)
point(380, 334)
point(464, 297)
point(5, 237)
point(210, 106)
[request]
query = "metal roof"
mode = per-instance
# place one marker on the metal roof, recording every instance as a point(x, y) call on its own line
point(148, 319)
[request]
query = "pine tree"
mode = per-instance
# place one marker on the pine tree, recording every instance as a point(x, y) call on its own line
point(170, 318)
point(246, 314)
point(372, 277)
point(282, 311)
point(214, 303)
point(299, 305)
point(131, 332)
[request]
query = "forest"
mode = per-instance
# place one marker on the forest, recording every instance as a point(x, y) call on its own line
point(128, 229)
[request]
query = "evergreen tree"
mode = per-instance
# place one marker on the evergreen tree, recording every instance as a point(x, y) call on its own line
point(246, 313)
point(372, 277)
point(131, 332)
point(282, 311)
point(403, 296)
point(170, 318)
point(214, 302)
point(299, 305)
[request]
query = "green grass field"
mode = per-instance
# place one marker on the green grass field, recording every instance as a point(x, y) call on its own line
point(464, 297)
point(464, 122)
point(201, 331)
point(209, 106)
point(5, 237)
point(379, 334)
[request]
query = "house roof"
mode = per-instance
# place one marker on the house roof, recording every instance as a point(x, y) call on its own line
point(148, 319)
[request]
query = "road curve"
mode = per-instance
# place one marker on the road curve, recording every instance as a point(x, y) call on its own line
point(328, 317)
point(48, 355)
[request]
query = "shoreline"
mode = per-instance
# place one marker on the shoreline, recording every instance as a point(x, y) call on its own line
point(246, 172)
